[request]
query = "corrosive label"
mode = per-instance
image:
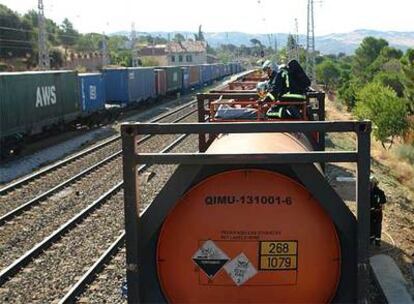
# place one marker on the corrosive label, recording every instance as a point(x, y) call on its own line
point(210, 258)
point(240, 269)
point(278, 255)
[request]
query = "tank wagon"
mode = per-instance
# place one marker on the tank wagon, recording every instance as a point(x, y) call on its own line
point(250, 217)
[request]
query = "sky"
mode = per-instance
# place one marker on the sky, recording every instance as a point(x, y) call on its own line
point(250, 16)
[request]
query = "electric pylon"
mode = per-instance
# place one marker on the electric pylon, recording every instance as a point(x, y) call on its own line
point(44, 60)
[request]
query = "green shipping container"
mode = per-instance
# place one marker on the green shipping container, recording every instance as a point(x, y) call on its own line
point(33, 101)
point(174, 78)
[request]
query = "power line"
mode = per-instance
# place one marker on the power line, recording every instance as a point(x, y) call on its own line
point(35, 32)
point(18, 41)
point(15, 47)
point(15, 29)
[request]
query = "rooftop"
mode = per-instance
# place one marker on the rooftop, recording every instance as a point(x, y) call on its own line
point(173, 48)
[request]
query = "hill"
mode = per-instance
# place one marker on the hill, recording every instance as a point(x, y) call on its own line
point(327, 44)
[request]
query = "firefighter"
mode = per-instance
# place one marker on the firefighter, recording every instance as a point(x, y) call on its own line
point(378, 199)
point(271, 70)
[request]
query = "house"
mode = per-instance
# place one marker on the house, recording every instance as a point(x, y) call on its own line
point(175, 53)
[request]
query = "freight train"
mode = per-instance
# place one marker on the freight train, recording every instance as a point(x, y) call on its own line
point(250, 217)
point(34, 102)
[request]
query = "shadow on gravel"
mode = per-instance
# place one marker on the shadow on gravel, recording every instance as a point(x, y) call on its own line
point(345, 189)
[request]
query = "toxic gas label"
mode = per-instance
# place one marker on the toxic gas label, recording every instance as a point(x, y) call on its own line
point(240, 269)
point(210, 258)
point(278, 255)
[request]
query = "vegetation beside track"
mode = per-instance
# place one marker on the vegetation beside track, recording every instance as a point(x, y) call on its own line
point(396, 177)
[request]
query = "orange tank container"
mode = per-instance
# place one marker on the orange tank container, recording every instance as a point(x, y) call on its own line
point(251, 236)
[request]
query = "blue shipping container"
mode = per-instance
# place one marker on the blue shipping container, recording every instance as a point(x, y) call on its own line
point(141, 83)
point(129, 85)
point(232, 68)
point(186, 78)
point(92, 92)
point(206, 73)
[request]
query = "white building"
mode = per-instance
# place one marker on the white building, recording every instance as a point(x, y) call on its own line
point(175, 53)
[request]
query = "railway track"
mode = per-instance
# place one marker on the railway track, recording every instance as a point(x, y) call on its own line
point(60, 203)
point(13, 229)
point(18, 196)
point(75, 245)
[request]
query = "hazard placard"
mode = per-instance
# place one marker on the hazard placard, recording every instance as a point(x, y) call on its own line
point(278, 255)
point(240, 269)
point(210, 258)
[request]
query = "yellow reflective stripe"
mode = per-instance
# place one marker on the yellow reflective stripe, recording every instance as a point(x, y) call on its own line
point(271, 96)
point(294, 96)
point(286, 75)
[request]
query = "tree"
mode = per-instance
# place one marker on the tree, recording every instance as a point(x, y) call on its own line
point(256, 42)
point(56, 58)
point(67, 34)
point(291, 42)
point(387, 60)
point(121, 57)
point(200, 35)
point(365, 55)
point(392, 80)
point(328, 73)
point(408, 72)
point(148, 61)
point(385, 109)
point(88, 42)
point(179, 38)
point(348, 92)
point(14, 43)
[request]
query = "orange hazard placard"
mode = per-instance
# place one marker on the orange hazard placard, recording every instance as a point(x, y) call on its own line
point(248, 236)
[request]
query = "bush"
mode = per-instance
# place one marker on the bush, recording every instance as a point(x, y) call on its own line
point(385, 109)
point(392, 80)
point(348, 93)
point(406, 152)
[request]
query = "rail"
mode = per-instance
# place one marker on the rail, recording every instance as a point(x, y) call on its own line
point(10, 187)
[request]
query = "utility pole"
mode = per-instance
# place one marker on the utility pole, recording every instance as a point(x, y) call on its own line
point(105, 60)
point(310, 43)
point(133, 43)
point(275, 41)
point(296, 39)
point(44, 60)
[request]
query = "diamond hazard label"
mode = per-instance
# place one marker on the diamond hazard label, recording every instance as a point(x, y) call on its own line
point(210, 258)
point(240, 269)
